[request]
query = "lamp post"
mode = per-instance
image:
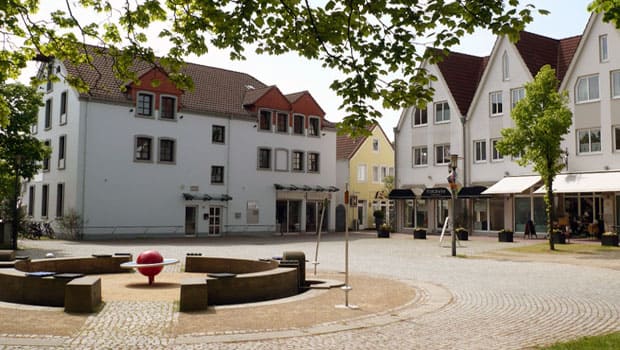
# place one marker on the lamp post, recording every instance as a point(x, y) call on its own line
point(15, 222)
point(452, 181)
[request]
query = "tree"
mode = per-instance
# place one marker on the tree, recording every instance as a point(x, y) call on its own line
point(541, 119)
point(377, 45)
point(609, 8)
point(20, 152)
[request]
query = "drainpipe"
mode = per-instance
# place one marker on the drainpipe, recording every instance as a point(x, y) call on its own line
point(82, 212)
point(468, 212)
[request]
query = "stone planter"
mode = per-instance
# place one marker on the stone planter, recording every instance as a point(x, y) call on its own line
point(505, 236)
point(462, 235)
point(383, 234)
point(419, 234)
point(609, 240)
point(558, 238)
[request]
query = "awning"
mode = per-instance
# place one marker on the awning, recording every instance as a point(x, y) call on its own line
point(513, 184)
point(585, 182)
point(305, 188)
point(436, 193)
point(206, 197)
point(404, 193)
point(472, 192)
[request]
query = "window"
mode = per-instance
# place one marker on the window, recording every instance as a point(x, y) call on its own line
point(63, 108)
point(168, 107)
point(34, 128)
point(144, 105)
point(50, 69)
point(264, 158)
point(46, 160)
point(313, 162)
point(442, 112)
point(375, 174)
point(495, 98)
point(315, 127)
point(480, 148)
point(218, 134)
point(617, 138)
point(602, 48)
point(496, 156)
point(442, 154)
point(264, 120)
point(516, 95)
point(298, 124)
point(60, 200)
point(384, 173)
point(420, 156)
point(281, 160)
point(615, 83)
point(166, 150)
point(282, 122)
point(375, 145)
point(505, 67)
point(48, 114)
point(420, 116)
point(31, 201)
point(44, 200)
point(62, 148)
point(587, 89)
point(298, 161)
point(143, 148)
point(589, 140)
point(217, 174)
point(361, 173)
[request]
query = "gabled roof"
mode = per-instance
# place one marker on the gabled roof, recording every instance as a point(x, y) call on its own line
point(462, 73)
point(347, 146)
point(252, 94)
point(217, 91)
point(537, 50)
point(295, 96)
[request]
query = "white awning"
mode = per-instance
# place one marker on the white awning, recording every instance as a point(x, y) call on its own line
point(513, 184)
point(585, 182)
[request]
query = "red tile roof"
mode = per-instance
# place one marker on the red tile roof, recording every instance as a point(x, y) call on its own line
point(537, 50)
point(347, 146)
point(462, 73)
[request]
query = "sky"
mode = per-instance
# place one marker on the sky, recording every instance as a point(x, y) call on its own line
point(292, 73)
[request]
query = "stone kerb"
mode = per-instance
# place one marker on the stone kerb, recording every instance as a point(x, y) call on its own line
point(237, 266)
point(86, 265)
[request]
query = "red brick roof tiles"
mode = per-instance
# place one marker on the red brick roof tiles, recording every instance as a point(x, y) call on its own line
point(462, 73)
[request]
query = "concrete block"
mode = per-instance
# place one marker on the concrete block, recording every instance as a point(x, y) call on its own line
point(7, 255)
point(194, 294)
point(83, 295)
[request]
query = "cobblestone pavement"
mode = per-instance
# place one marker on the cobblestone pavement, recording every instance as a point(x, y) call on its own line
point(461, 303)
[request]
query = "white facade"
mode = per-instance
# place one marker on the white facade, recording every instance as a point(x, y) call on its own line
point(116, 195)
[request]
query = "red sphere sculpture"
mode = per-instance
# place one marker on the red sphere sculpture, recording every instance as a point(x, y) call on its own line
point(150, 257)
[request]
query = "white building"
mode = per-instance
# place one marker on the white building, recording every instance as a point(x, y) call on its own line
point(233, 155)
point(485, 89)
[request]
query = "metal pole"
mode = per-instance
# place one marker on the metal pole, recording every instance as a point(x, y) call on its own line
point(318, 238)
point(453, 186)
point(15, 223)
point(346, 288)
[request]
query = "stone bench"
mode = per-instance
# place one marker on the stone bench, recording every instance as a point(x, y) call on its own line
point(83, 295)
point(7, 255)
point(194, 294)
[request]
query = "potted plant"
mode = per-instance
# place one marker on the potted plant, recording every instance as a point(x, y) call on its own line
point(379, 219)
point(505, 235)
point(384, 231)
point(558, 237)
point(419, 233)
point(609, 239)
point(462, 234)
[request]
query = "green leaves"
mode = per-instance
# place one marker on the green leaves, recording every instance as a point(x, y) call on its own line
point(378, 45)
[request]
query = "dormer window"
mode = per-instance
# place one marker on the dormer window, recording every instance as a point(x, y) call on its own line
point(264, 120)
point(282, 122)
point(168, 107)
point(144, 104)
point(314, 127)
point(298, 124)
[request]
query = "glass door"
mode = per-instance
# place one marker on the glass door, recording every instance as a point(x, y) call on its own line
point(190, 220)
point(215, 221)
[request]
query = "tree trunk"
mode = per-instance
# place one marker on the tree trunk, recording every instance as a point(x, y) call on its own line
point(549, 210)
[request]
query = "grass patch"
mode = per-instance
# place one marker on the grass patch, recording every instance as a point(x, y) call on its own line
point(572, 248)
point(600, 342)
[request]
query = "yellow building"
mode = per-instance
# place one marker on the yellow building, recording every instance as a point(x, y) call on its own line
point(363, 165)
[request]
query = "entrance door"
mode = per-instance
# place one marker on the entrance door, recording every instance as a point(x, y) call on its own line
point(215, 221)
point(361, 215)
point(190, 220)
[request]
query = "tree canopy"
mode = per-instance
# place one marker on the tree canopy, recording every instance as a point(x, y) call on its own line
point(541, 119)
point(377, 45)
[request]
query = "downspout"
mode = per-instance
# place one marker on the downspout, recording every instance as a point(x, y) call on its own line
point(399, 218)
point(467, 211)
point(228, 170)
point(82, 211)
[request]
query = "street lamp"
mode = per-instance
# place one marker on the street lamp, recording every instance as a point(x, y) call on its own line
point(15, 222)
point(452, 181)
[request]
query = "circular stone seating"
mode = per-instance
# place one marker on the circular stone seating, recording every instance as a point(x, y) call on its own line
point(81, 294)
